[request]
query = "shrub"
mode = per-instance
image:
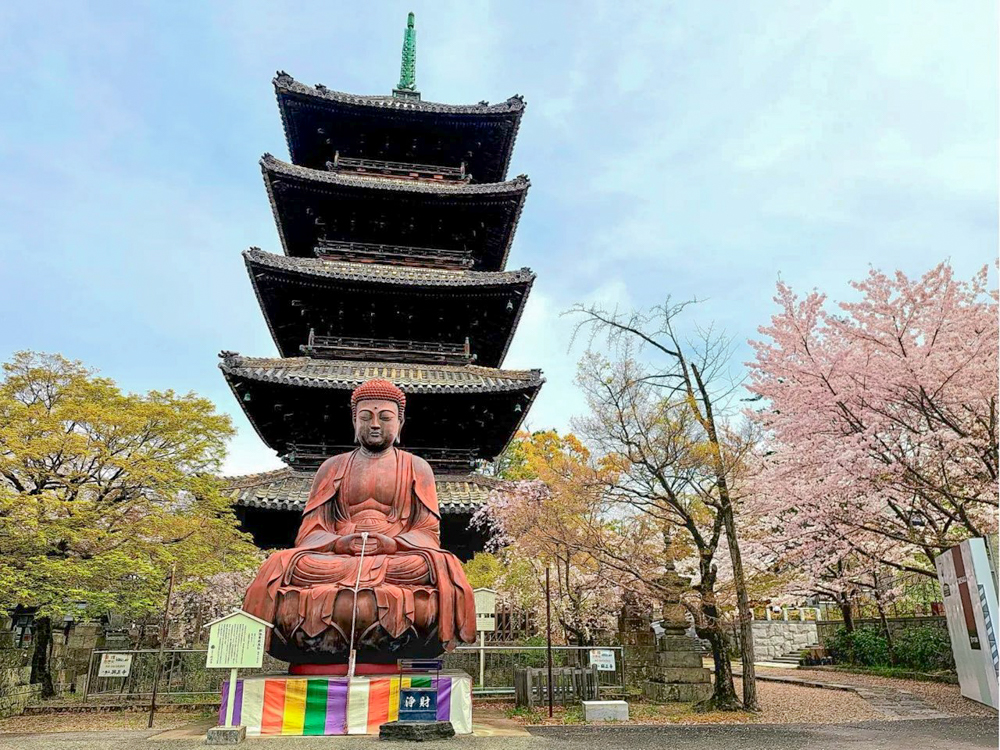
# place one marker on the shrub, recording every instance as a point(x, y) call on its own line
point(924, 649)
point(865, 647)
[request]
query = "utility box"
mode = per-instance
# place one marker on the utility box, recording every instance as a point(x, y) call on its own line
point(605, 710)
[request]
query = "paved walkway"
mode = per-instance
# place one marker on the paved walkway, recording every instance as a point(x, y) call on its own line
point(893, 702)
point(933, 734)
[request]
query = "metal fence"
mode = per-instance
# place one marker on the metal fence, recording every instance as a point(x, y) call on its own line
point(186, 680)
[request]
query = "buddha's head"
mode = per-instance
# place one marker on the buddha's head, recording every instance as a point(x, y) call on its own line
point(378, 408)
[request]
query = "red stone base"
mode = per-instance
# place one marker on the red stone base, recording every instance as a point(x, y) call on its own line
point(339, 670)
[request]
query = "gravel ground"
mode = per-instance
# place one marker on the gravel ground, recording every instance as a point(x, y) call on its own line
point(944, 697)
point(780, 704)
point(82, 722)
point(948, 734)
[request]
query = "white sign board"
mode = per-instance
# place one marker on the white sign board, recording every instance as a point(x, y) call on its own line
point(236, 641)
point(486, 610)
point(970, 603)
point(115, 665)
point(603, 659)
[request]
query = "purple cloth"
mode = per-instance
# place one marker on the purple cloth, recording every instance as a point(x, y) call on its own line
point(443, 686)
point(238, 703)
point(336, 707)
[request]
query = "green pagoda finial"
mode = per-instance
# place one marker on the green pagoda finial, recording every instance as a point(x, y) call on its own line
point(407, 88)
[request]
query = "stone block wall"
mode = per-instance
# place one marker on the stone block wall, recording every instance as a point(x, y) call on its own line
point(15, 671)
point(774, 638)
point(71, 655)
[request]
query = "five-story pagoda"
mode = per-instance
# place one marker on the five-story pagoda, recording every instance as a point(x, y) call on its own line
point(396, 219)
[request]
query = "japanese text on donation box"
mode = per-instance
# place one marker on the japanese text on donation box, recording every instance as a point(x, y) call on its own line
point(237, 642)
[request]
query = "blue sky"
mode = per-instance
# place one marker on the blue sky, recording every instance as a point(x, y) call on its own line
point(689, 148)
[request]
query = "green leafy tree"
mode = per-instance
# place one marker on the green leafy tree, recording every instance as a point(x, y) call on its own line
point(102, 493)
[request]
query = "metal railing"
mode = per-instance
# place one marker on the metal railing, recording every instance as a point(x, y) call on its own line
point(387, 350)
point(186, 680)
point(398, 168)
point(311, 455)
point(373, 252)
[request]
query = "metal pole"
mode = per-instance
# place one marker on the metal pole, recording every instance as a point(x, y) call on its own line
point(352, 653)
point(231, 699)
point(90, 670)
point(482, 658)
point(548, 637)
point(163, 640)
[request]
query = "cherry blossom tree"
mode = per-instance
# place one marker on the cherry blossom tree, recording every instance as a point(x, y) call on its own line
point(660, 403)
point(543, 520)
point(881, 420)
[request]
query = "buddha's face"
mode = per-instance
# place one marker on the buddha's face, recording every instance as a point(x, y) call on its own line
point(377, 424)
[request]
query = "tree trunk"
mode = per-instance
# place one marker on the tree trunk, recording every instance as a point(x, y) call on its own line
point(743, 606)
point(846, 612)
point(40, 665)
point(885, 629)
point(729, 524)
point(724, 692)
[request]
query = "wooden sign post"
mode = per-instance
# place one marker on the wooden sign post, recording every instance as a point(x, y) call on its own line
point(486, 622)
point(235, 641)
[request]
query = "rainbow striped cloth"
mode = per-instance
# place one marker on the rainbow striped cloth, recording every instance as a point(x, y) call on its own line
point(292, 705)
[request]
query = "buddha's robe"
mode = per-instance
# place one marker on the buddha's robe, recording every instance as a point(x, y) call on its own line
point(415, 586)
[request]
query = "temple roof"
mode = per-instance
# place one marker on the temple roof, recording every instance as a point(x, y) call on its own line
point(313, 205)
point(383, 273)
point(411, 378)
point(287, 489)
point(378, 301)
point(320, 122)
point(455, 415)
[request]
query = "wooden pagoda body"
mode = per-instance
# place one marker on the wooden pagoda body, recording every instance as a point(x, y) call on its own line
point(396, 218)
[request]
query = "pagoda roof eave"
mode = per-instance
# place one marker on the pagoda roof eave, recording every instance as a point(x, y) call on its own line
point(515, 284)
point(271, 164)
point(287, 89)
point(459, 413)
point(287, 489)
point(284, 82)
point(276, 170)
point(379, 273)
point(347, 375)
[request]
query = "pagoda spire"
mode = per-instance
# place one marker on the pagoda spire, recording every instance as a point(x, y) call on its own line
point(407, 87)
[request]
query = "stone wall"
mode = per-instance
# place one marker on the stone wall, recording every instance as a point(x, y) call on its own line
point(15, 671)
point(774, 638)
point(71, 655)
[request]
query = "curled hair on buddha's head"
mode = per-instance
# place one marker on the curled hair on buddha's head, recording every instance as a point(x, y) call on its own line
point(381, 390)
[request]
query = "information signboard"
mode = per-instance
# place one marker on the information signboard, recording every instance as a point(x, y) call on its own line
point(603, 659)
point(236, 641)
point(486, 609)
point(115, 665)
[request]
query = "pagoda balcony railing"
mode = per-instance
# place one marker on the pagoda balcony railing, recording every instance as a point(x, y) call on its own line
point(399, 170)
point(444, 460)
point(387, 350)
point(404, 255)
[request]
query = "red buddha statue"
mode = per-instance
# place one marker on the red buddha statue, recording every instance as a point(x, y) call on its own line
point(413, 600)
